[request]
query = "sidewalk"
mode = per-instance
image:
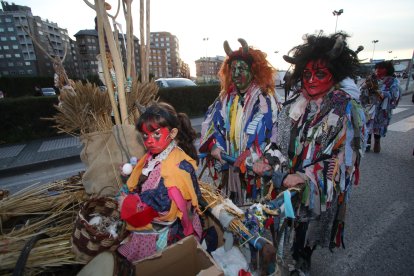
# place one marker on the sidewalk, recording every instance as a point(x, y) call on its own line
point(38, 154)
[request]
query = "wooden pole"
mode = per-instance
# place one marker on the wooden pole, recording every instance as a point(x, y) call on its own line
point(142, 42)
point(105, 66)
point(147, 51)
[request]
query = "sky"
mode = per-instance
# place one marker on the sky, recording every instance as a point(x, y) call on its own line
point(269, 25)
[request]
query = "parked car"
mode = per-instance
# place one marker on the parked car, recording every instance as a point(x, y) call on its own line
point(174, 82)
point(48, 91)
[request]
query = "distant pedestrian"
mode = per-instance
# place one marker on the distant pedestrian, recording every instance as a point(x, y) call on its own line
point(384, 97)
point(1, 94)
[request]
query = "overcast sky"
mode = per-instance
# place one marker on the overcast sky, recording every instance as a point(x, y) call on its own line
point(268, 25)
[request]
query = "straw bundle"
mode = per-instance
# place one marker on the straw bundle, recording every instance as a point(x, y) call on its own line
point(48, 209)
point(87, 109)
point(84, 110)
point(213, 198)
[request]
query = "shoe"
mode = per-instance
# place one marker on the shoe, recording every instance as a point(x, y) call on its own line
point(368, 148)
point(377, 146)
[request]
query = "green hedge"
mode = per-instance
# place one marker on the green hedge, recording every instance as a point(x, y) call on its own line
point(193, 100)
point(23, 119)
point(23, 86)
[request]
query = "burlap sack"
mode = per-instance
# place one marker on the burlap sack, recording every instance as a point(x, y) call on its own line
point(104, 152)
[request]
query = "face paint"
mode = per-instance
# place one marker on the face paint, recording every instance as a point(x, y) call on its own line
point(317, 78)
point(241, 74)
point(157, 140)
point(380, 72)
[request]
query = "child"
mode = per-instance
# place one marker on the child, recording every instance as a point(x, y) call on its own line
point(160, 200)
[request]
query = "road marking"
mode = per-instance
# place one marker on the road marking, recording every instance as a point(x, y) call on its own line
point(59, 144)
point(367, 239)
point(398, 110)
point(11, 151)
point(403, 125)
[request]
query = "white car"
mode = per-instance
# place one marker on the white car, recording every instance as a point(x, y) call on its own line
point(174, 82)
point(48, 91)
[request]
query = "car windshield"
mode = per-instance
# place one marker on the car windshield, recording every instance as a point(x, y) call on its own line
point(48, 90)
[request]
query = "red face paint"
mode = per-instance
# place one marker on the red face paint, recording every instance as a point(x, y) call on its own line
point(157, 140)
point(380, 72)
point(317, 78)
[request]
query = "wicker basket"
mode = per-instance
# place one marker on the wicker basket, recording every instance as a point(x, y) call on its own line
point(87, 241)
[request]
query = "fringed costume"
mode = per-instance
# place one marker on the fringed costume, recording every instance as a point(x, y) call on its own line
point(162, 195)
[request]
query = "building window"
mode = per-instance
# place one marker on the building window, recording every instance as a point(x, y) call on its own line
point(27, 63)
point(13, 38)
point(8, 20)
point(1, 30)
point(17, 55)
point(15, 47)
point(3, 38)
point(6, 47)
point(10, 29)
point(10, 64)
point(1, 56)
point(29, 71)
point(40, 32)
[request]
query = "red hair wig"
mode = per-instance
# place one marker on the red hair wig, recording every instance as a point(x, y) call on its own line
point(263, 72)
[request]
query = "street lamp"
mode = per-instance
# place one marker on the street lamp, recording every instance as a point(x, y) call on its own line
point(337, 14)
point(373, 50)
point(206, 72)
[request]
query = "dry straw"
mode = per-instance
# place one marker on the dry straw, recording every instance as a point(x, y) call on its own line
point(48, 209)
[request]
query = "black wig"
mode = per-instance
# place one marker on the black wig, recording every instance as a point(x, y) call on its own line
point(341, 61)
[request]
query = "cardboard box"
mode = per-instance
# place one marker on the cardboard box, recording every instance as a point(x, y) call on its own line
point(184, 258)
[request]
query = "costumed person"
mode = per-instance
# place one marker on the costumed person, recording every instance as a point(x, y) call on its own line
point(240, 121)
point(380, 95)
point(160, 200)
point(320, 131)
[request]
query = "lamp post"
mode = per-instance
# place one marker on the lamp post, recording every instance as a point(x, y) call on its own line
point(373, 50)
point(205, 62)
point(337, 14)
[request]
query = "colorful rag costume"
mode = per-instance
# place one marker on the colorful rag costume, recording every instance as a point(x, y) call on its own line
point(389, 88)
point(241, 125)
point(162, 190)
point(322, 140)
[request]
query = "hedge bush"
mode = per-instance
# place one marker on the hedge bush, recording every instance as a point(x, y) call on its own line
point(24, 118)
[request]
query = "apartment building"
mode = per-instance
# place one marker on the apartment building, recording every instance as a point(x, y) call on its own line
point(207, 69)
point(164, 58)
point(20, 55)
point(88, 46)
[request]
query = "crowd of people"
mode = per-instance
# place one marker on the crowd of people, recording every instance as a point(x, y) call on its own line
point(313, 142)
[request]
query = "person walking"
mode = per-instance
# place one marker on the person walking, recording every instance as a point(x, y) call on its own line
point(320, 131)
point(385, 95)
point(240, 121)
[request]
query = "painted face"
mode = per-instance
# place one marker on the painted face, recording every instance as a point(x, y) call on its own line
point(317, 78)
point(241, 74)
point(380, 72)
point(157, 140)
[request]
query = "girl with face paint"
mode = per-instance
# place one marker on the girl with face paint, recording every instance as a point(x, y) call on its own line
point(320, 131)
point(162, 189)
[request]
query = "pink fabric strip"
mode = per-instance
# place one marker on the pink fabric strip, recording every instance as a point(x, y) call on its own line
point(176, 195)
